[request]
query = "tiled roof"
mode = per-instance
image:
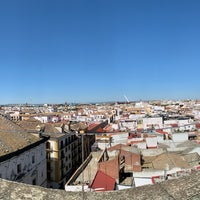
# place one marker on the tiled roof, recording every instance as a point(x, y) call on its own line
point(192, 159)
point(8, 125)
point(93, 125)
point(174, 125)
point(124, 147)
point(103, 182)
point(170, 159)
point(13, 137)
point(30, 124)
point(49, 128)
point(161, 131)
point(78, 126)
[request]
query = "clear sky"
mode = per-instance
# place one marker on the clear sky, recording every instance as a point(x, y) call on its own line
point(54, 51)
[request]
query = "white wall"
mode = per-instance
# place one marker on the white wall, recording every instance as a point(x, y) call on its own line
point(29, 170)
point(76, 188)
point(196, 114)
point(115, 126)
point(156, 121)
point(152, 141)
point(140, 181)
point(128, 124)
point(145, 177)
point(179, 137)
point(123, 187)
point(171, 121)
point(141, 145)
point(43, 119)
point(120, 138)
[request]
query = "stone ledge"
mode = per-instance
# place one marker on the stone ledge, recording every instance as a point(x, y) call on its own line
point(187, 187)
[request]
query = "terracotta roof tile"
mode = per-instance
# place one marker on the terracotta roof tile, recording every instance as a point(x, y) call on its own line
point(103, 182)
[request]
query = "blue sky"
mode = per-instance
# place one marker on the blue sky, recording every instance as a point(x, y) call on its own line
point(99, 50)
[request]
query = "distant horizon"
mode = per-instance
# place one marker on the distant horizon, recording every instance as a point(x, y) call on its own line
point(97, 51)
point(98, 102)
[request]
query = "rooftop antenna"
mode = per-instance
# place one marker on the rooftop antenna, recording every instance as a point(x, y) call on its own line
point(126, 98)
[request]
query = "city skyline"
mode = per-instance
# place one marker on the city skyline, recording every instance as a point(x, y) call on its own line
point(95, 51)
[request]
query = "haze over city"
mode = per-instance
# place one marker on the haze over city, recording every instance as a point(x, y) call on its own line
point(89, 51)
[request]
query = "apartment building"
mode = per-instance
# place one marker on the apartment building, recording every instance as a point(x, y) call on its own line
point(59, 159)
point(63, 150)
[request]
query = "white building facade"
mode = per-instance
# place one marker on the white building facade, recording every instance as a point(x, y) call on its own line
point(27, 165)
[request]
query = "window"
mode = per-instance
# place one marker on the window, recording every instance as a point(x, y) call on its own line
point(34, 181)
point(33, 159)
point(19, 168)
point(48, 175)
point(62, 154)
point(62, 164)
point(48, 165)
point(61, 144)
point(48, 145)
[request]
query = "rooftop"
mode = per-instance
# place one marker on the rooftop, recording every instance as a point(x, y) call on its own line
point(13, 137)
point(91, 169)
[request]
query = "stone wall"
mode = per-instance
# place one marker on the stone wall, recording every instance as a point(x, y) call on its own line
point(187, 187)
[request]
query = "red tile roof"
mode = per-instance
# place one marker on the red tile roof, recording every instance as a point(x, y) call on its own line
point(198, 126)
point(93, 125)
point(161, 131)
point(103, 182)
point(108, 128)
point(100, 130)
point(174, 125)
